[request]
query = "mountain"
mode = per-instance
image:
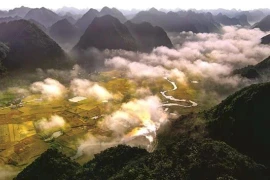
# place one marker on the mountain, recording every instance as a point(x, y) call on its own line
point(107, 32)
point(29, 46)
point(203, 22)
point(254, 15)
point(87, 19)
point(148, 36)
point(255, 71)
point(113, 12)
point(64, 32)
point(243, 20)
point(44, 16)
point(50, 165)
point(69, 18)
point(21, 11)
point(226, 21)
point(241, 121)
point(264, 24)
point(266, 39)
point(178, 22)
point(90, 15)
point(71, 10)
point(40, 26)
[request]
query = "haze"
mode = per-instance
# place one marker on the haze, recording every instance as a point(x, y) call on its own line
point(140, 4)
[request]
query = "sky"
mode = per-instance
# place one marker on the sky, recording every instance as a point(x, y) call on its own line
point(139, 4)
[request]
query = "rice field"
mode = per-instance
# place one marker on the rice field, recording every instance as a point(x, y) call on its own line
point(21, 142)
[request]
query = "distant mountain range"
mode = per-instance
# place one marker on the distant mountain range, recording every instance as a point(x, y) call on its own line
point(44, 16)
point(178, 21)
point(29, 46)
point(227, 21)
point(252, 15)
point(9, 18)
point(20, 11)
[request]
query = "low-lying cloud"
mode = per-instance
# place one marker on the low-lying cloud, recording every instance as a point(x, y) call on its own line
point(49, 88)
point(84, 87)
point(136, 123)
point(53, 124)
point(210, 58)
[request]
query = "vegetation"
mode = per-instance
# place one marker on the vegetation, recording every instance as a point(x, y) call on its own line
point(182, 159)
point(112, 160)
point(241, 121)
point(3, 54)
point(50, 165)
point(255, 71)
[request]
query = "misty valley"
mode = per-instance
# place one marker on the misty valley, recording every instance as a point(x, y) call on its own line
point(151, 94)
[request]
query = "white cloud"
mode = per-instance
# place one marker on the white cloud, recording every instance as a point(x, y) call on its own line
point(49, 89)
point(53, 124)
point(84, 87)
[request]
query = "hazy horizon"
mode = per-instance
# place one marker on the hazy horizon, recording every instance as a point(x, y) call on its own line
point(139, 4)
